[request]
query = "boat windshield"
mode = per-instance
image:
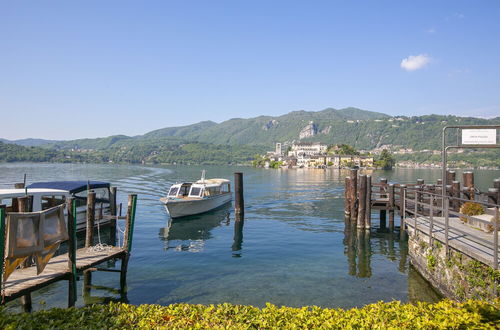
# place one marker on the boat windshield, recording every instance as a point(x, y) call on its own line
point(173, 191)
point(195, 191)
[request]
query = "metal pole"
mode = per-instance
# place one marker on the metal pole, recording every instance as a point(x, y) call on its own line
point(443, 159)
point(416, 209)
point(431, 225)
point(2, 241)
point(446, 221)
point(495, 241)
point(403, 213)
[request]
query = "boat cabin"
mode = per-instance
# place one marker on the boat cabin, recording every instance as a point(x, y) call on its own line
point(78, 189)
point(42, 198)
point(199, 189)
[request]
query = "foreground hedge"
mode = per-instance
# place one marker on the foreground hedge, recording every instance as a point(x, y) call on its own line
point(445, 314)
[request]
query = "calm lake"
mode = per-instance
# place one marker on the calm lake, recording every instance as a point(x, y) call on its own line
point(293, 248)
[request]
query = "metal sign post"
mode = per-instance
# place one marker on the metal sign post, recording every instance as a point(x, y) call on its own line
point(472, 136)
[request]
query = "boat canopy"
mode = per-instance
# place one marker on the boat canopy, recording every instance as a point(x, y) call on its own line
point(213, 182)
point(72, 187)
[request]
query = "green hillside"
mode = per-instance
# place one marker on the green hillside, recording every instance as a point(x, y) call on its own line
point(362, 129)
point(236, 140)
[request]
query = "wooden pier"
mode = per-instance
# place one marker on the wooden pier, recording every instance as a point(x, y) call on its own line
point(425, 210)
point(23, 281)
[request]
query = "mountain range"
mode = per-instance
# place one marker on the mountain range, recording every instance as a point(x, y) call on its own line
point(359, 128)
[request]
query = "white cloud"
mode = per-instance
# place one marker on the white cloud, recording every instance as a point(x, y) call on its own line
point(415, 62)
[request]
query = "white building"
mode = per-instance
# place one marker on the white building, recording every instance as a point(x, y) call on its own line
point(302, 149)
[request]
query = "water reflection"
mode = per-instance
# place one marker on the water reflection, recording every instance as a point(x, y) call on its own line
point(190, 233)
point(361, 245)
point(238, 235)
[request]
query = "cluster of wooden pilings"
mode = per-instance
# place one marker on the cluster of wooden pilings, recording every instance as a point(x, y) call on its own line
point(362, 196)
point(358, 199)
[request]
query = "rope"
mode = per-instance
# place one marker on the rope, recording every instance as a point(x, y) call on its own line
point(99, 247)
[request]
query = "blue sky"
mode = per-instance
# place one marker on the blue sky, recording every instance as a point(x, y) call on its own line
point(74, 69)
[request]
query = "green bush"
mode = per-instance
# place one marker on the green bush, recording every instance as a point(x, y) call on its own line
point(471, 208)
point(445, 314)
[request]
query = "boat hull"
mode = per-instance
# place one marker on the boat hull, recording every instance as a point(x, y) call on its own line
point(181, 208)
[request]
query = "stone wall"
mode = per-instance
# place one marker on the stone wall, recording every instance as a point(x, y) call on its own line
point(456, 276)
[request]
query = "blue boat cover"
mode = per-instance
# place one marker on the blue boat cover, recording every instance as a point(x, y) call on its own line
point(72, 186)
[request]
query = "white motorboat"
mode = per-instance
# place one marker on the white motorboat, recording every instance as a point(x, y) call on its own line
point(189, 198)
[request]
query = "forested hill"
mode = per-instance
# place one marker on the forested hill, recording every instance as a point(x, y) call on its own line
point(360, 128)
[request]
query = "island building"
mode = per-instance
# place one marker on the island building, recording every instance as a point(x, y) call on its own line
point(314, 155)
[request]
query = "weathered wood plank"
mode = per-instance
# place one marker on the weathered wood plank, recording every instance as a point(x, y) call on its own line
point(26, 280)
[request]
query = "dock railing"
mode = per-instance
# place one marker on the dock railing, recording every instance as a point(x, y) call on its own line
point(430, 213)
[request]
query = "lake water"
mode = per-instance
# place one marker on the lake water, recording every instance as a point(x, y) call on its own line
point(292, 248)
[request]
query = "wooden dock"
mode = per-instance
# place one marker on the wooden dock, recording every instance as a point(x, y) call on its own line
point(425, 209)
point(23, 281)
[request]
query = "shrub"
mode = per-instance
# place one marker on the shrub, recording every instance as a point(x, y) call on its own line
point(471, 208)
point(445, 314)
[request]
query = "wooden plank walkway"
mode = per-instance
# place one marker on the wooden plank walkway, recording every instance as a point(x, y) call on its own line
point(22, 281)
point(468, 240)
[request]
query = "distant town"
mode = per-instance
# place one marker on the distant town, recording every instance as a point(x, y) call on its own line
point(313, 155)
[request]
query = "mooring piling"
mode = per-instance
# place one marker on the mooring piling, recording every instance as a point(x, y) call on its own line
point(368, 204)
point(239, 202)
point(362, 202)
point(89, 233)
point(113, 213)
point(450, 177)
point(468, 178)
point(347, 197)
point(353, 191)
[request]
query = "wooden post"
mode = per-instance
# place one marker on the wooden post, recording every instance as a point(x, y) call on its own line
point(362, 202)
point(239, 202)
point(112, 209)
point(391, 206)
point(123, 272)
point(127, 239)
point(89, 233)
point(383, 217)
point(450, 177)
point(87, 281)
point(354, 193)
point(368, 210)
point(401, 199)
point(130, 221)
point(468, 178)
point(347, 197)
point(455, 191)
point(383, 188)
point(71, 207)
point(23, 204)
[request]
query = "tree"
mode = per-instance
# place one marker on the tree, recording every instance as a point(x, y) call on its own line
point(345, 149)
point(385, 160)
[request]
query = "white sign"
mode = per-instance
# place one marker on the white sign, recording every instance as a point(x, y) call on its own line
point(479, 136)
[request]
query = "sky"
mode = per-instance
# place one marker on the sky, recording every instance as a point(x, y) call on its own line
point(76, 69)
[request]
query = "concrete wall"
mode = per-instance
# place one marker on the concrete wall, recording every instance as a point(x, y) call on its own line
point(456, 276)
